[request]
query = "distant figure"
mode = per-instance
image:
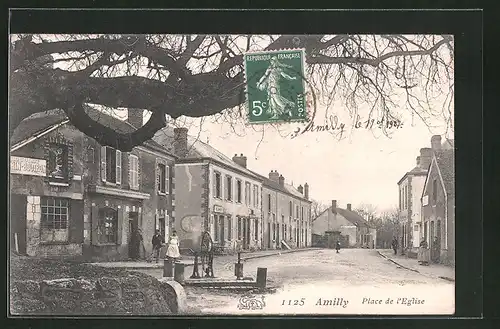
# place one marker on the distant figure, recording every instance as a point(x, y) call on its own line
point(423, 253)
point(157, 241)
point(435, 250)
point(173, 247)
point(337, 246)
point(395, 245)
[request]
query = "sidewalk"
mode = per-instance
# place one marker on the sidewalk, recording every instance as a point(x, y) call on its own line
point(189, 260)
point(433, 270)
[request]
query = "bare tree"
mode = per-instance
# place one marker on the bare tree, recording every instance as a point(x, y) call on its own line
point(317, 208)
point(202, 75)
point(367, 211)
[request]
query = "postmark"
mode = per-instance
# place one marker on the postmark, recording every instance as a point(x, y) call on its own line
point(275, 86)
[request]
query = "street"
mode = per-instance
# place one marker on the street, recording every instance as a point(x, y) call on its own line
point(359, 276)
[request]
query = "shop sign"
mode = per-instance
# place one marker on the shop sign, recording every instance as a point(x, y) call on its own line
point(27, 166)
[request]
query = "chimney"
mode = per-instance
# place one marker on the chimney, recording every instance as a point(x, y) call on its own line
point(135, 117)
point(306, 191)
point(425, 157)
point(349, 207)
point(334, 206)
point(240, 160)
point(436, 143)
point(281, 180)
point(180, 142)
point(274, 176)
point(418, 161)
point(300, 189)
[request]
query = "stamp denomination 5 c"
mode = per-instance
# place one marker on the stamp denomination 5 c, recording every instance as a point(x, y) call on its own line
point(275, 85)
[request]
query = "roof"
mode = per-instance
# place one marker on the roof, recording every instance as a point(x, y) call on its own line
point(286, 188)
point(449, 143)
point(198, 150)
point(417, 171)
point(446, 163)
point(41, 121)
point(350, 215)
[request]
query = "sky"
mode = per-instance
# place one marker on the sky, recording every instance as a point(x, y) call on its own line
point(361, 168)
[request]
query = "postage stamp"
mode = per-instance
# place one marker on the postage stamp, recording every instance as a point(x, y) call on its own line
point(275, 86)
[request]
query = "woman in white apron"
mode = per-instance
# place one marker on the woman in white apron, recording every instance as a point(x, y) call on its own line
point(173, 247)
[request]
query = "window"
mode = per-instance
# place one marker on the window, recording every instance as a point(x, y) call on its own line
point(163, 178)
point(255, 196)
point(434, 191)
point(54, 219)
point(256, 231)
point(239, 228)
point(58, 161)
point(406, 197)
point(297, 211)
point(302, 213)
point(284, 231)
point(291, 208)
point(229, 228)
point(111, 165)
point(269, 202)
point(108, 225)
point(218, 183)
point(247, 193)
point(238, 191)
point(274, 231)
point(90, 155)
point(133, 169)
point(229, 188)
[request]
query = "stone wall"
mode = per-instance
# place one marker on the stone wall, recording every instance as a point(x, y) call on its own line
point(133, 295)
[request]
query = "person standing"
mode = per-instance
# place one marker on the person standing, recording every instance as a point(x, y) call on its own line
point(173, 247)
point(423, 253)
point(395, 245)
point(157, 241)
point(337, 246)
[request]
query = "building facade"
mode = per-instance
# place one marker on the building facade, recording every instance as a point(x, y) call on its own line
point(346, 225)
point(410, 188)
point(438, 205)
point(218, 195)
point(286, 214)
point(94, 200)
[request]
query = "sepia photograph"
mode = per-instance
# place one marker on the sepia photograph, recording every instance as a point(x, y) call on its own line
point(235, 174)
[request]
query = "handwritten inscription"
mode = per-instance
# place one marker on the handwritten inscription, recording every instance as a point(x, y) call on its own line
point(334, 124)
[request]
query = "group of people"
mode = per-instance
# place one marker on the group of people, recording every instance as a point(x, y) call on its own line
point(158, 241)
point(423, 255)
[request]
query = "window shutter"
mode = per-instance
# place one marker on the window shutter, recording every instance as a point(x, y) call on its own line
point(130, 169)
point(167, 226)
point(167, 179)
point(119, 227)
point(138, 168)
point(103, 163)
point(226, 188)
point(157, 176)
point(75, 221)
point(214, 185)
point(225, 221)
point(70, 162)
point(118, 167)
point(95, 225)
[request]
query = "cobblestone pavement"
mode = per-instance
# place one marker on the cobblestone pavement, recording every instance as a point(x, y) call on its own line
point(353, 274)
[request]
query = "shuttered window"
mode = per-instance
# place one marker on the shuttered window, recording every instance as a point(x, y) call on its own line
point(217, 185)
point(111, 165)
point(133, 169)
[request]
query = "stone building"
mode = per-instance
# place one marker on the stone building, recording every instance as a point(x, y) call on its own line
point(344, 224)
point(72, 196)
point(286, 212)
point(410, 188)
point(218, 194)
point(438, 203)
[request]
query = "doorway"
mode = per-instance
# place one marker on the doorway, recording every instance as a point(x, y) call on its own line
point(134, 242)
point(18, 223)
point(221, 228)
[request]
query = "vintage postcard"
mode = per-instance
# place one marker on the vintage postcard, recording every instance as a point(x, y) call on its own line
point(231, 175)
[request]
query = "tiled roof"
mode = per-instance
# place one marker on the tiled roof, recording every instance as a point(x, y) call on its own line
point(41, 121)
point(446, 163)
point(287, 188)
point(350, 215)
point(197, 149)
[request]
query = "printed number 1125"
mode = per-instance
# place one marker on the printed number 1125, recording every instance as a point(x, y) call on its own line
point(293, 302)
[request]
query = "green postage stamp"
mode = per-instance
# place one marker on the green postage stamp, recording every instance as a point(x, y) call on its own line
point(275, 86)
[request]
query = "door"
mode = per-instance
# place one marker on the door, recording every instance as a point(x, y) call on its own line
point(249, 230)
point(221, 228)
point(134, 242)
point(18, 223)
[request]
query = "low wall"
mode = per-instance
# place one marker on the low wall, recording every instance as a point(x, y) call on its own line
point(132, 295)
